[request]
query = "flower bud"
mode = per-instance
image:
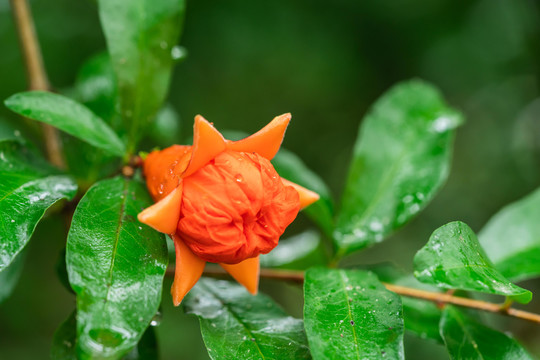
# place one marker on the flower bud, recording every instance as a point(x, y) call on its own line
point(235, 207)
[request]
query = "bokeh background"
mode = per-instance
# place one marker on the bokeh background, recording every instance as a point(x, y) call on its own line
point(326, 62)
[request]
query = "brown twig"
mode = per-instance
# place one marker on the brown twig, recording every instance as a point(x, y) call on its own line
point(37, 77)
point(444, 298)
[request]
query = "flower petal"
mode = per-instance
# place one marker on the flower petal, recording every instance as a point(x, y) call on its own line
point(165, 214)
point(307, 197)
point(265, 142)
point(189, 269)
point(246, 273)
point(207, 143)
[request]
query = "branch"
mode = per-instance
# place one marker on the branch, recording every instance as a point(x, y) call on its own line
point(37, 78)
point(440, 298)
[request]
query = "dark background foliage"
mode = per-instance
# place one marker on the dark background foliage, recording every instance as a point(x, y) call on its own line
point(326, 62)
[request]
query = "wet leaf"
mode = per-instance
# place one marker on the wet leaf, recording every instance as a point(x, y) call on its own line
point(28, 187)
point(141, 34)
point(467, 339)
point(67, 115)
point(297, 252)
point(401, 159)
point(291, 167)
point(115, 266)
point(238, 325)
point(454, 259)
point(349, 314)
point(512, 238)
point(420, 317)
point(65, 340)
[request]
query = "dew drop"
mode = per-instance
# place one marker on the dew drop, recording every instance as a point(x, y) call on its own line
point(239, 178)
point(178, 53)
point(156, 320)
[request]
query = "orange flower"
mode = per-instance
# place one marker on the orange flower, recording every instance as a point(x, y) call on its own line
point(221, 201)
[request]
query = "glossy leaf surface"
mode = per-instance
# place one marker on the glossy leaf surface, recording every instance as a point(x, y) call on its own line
point(454, 259)
point(115, 266)
point(28, 187)
point(512, 238)
point(297, 252)
point(237, 325)
point(466, 339)
point(291, 167)
point(141, 37)
point(67, 115)
point(420, 317)
point(65, 341)
point(401, 159)
point(349, 314)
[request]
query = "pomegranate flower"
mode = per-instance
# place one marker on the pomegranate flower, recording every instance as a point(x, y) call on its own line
point(221, 201)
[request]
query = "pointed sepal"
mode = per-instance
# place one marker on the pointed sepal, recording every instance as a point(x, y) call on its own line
point(189, 268)
point(265, 142)
point(207, 144)
point(307, 197)
point(165, 214)
point(246, 273)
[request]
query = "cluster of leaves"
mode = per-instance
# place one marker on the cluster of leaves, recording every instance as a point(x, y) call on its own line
point(116, 265)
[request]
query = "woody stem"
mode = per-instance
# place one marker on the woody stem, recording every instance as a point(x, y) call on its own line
point(439, 298)
point(37, 77)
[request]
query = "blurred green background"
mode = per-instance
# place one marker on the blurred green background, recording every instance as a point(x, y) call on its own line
point(326, 62)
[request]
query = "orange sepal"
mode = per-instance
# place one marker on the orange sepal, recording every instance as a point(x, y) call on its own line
point(265, 142)
point(189, 268)
point(246, 273)
point(307, 197)
point(164, 215)
point(207, 144)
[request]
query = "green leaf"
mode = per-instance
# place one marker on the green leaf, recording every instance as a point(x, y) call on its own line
point(297, 252)
point(67, 115)
point(420, 317)
point(349, 314)
point(64, 340)
point(9, 276)
point(141, 36)
point(512, 238)
point(28, 187)
point(401, 159)
point(454, 259)
point(467, 339)
point(237, 325)
point(115, 266)
point(291, 167)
